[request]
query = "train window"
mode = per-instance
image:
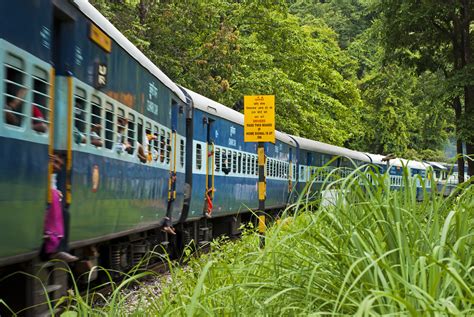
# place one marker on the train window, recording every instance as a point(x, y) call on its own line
point(198, 156)
point(40, 107)
point(109, 125)
point(229, 160)
point(121, 130)
point(244, 163)
point(181, 152)
point(168, 147)
point(267, 167)
point(255, 165)
point(225, 162)
point(162, 146)
point(131, 132)
point(234, 162)
point(249, 164)
point(217, 159)
point(239, 162)
point(140, 131)
point(96, 122)
point(79, 130)
point(156, 143)
point(15, 91)
point(148, 142)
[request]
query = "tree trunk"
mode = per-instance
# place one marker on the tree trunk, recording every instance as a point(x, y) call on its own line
point(458, 113)
point(468, 88)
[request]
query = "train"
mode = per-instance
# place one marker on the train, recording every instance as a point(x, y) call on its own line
point(137, 148)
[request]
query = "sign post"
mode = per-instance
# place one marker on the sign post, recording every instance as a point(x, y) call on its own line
point(259, 126)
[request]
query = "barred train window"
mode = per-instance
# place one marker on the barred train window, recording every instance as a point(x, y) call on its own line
point(217, 159)
point(225, 162)
point(244, 163)
point(109, 125)
point(156, 143)
point(80, 110)
point(121, 125)
point(255, 165)
point(162, 146)
point(15, 92)
point(249, 162)
point(140, 131)
point(198, 156)
point(131, 132)
point(168, 147)
point(239, 162)
point(234, 162)
point(96, 122)
point(148, 142)
point(181, 152)
point(229, 160)
point(40, 108)
point(148, 135)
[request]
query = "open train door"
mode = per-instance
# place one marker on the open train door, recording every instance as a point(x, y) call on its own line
point(173, 162)
point(210, 168)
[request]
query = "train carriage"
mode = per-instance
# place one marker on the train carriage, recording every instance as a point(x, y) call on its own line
point(317, 160)
point(72, 85)
point(225, 168)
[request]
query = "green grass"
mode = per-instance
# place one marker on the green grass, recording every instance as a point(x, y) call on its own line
point(374, 252)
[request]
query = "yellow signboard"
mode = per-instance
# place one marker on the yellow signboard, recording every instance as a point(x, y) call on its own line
point(100, 38)
point(259, 120)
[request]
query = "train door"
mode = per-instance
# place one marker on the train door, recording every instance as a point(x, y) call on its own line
point(173, 153)
point(290, 174)
point(210, 169)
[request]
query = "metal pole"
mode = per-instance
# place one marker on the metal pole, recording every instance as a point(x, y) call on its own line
point(262, 192)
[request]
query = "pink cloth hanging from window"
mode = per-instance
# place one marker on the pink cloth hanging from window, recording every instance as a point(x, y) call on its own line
point(53, 223)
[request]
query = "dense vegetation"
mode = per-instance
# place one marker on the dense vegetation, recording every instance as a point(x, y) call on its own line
point(374, 252)
point(373, 75)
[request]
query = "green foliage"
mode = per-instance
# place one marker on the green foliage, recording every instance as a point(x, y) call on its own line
point(225, 50)
point(322, 59)
point(372, 252)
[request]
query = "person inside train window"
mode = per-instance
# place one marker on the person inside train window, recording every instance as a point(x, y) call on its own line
point(96, 140)
point(225, 162)
point(141, 146)
point(142, 156)
point(122, 144)
point(79, 121)
point(148, 140)
point(162, 147)
point(38, 123)
point(54, 221)
point(15, 96)
point(14, 105)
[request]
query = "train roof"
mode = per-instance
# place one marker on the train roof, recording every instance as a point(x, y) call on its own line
point(414, 164)
point(215, 108)
point(437, 165)
point(94, 15)
point(311, 145)
point(377, 159)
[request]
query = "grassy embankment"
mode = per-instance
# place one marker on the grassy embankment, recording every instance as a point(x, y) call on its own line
point(375, 252)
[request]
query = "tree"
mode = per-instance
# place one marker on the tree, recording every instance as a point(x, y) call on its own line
point(436, 35)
